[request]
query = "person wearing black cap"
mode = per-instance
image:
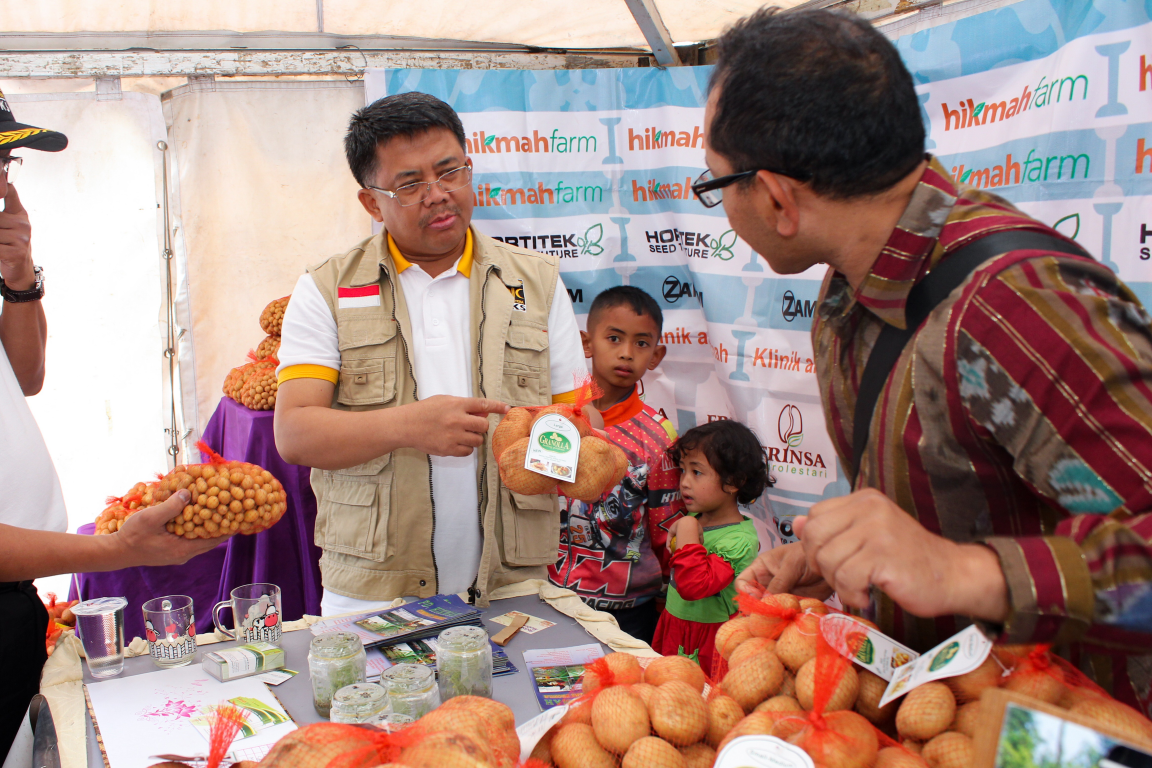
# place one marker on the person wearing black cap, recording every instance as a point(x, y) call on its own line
point(32, 514)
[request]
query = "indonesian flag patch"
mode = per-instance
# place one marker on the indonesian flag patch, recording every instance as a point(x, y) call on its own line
point(350, 298)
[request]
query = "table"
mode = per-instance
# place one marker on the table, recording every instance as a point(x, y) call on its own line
point(284, 555)
point(516, 690)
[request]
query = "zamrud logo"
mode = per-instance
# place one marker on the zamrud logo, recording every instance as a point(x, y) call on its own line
point(790, 426)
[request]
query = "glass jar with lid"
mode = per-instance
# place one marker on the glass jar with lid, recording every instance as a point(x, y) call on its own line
point(391, 721)
point(464, 662)
point(411, 689)
point(335, 660)
point(358, 703)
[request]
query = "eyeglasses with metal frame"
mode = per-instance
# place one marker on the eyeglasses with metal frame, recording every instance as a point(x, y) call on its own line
point(418, 191)
point(11, 166)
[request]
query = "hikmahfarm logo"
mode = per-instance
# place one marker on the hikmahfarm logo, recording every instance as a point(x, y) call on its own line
point(701, 245)
point(644, 191)
point(1029, 169)
point(488, 195)
point(567, 245)
point(786, 459)
point(658, 138)
point(968, 113)
point(483, 143)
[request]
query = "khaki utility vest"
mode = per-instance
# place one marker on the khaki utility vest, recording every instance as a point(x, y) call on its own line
point(375, 521)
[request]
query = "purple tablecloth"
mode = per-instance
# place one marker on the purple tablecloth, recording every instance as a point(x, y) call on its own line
point(284, 555)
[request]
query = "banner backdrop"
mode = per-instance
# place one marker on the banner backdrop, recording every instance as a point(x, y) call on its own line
point(594, 166)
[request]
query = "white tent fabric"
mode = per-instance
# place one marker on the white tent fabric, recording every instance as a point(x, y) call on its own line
point(545, 23)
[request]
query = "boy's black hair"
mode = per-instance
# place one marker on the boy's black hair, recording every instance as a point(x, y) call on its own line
point(402, 114)
point(733, 451)
point(637, 299)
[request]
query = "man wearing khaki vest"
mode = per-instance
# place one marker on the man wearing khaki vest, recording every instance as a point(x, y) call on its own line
point(397, 357)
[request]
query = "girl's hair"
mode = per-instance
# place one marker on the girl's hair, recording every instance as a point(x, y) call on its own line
point(733, 451)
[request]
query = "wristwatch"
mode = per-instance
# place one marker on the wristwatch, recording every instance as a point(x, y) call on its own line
point(35, 293)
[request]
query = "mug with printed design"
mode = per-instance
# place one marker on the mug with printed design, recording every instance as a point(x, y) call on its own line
point(170, 628)
point(255, 614)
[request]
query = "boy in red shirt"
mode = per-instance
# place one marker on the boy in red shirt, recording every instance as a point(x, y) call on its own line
point(613, 552)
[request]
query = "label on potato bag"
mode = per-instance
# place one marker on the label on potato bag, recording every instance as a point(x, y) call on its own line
point(958, 655)
point(553, 448)
point(762, 752)
point(532, 731)
point(875, 651)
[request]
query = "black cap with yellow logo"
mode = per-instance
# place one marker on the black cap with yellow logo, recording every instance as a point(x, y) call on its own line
point(14, 134)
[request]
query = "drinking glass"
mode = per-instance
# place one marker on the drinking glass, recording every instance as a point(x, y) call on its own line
point(255, 612)
point(170, 628)
point(100, 624)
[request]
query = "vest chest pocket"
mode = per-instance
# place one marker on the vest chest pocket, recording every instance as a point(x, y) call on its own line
point(525, 365)
point(531, 528)
point(353, 518)
point(367, 382)
point(368, 347)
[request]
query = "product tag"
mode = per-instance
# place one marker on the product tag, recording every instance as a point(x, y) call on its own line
point(959, 654)
point(762, 752)
point(876, 652)
point(532, 731)
point(277, 677)
point(553, 448)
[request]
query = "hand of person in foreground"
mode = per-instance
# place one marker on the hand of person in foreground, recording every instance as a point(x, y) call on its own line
point(144, 540)
point(864, 539)
point(451, 426)
point(782, 569)
point(15, 243)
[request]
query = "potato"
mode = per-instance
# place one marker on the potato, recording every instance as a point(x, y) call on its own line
point(565, 410)
point(698, 755)
point(849, 741)
point(970, 685)
point(447, 749)
point(797, 643)
point(259, 389)
point(1122, 718)
point(668, 668)
point(624, 668)
point(788, 687)
point(651, 752)
point(872, 689)
point(516, 425)
point(966, 718)
point(499, 721)
point(949, 750)
point(268, 348)
point(913, 746)
point(895, 757)
point(723, 714)
point(754, 681)
point(926, 711)
point(595, 469)
point(619, 718)
point(749, 648)
point(765, 625)
point(272, 318)
point(678, 713)
point(644, 691)
point(844, 697)
point(779, 704)
point(731, 634)
point(579, 712)
point(818, 607)
point(516, 478)
point(782, 725)
point(575, 746)
point(1038, 683)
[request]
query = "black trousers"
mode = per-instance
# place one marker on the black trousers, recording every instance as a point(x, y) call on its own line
point(23, 624)
point(640, 622)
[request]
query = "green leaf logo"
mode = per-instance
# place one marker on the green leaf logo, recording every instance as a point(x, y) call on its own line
point(979, 108)
point(722, 246)
point(656, 138)
point(964, 178)
point(494, 192)
point(1072, 221)
point(488, 140)
point(590, 243)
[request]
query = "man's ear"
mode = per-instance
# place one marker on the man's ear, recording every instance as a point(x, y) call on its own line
point(370, 203)
point(586, 341)
point(778, 194)
point(661, 350)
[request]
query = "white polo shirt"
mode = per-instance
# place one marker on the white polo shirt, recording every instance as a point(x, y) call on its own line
point(441, 347)
point(30, 495)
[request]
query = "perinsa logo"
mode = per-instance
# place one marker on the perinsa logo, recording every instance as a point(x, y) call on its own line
point(701, 245)
point(484, 143)
point(790, 426)
point(967, 113)
point(566, 246)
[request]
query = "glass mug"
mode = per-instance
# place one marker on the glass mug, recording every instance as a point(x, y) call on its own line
point(170, 629)
point(255, 612)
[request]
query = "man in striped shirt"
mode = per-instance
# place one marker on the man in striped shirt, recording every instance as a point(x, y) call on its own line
point(1007, 473)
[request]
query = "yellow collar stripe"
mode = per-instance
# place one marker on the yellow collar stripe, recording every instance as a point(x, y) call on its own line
point(463, 266)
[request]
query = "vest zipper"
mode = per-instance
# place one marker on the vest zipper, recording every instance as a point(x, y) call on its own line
point(481, 491)
point(416, 396)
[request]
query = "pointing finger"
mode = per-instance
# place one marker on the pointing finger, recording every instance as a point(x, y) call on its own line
point(12, 202)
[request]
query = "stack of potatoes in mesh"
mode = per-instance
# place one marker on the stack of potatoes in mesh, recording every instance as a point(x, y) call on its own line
point(253, 384)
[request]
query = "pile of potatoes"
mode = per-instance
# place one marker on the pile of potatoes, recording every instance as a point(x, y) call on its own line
point(651, 717)
point(600, 468)
point(254, 384)
point(769, 687)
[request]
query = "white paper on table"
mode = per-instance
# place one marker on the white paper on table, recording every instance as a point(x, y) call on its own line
point(532, 731)
point(958, 655)
point(563, 657)
point(533, 625)
point(151, 714)
point(348, 624)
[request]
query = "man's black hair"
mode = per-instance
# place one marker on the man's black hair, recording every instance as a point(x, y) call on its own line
point(637, 299)
point(733, 451)
point(820, 96)
point(403, 114)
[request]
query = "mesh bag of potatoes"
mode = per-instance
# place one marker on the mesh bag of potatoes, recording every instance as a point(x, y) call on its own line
point(634, 715)
point(120, 508)
point(791, 621)
point(268, 348)
point(272, 318)
point(258, 391)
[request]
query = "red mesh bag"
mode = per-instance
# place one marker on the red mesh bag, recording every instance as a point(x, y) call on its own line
point(268, 348)
point(235, 379)
point(259, 389)
point(272, 318)
point(784, 624)
point(120, 508)
point(601, 465)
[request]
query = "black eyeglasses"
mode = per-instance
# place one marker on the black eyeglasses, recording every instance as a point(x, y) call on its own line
point(707, 187)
